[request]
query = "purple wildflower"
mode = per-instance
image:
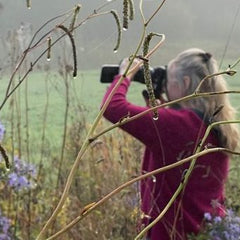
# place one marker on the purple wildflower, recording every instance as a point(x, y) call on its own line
point(4, 228)
point(22, 175)
point(217, 238)
point(2, 131)
point(217, 219)
point(4, 236)
point(220, 228)
point(12, 179)
point(18, 182)
point(22, 168)
point(207, 216)
point(226, 235)
point(226, 228)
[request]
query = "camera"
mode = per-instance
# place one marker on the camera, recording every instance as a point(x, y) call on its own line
point(158, 75)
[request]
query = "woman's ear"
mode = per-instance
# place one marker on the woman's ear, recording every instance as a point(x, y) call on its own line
point(187, 82)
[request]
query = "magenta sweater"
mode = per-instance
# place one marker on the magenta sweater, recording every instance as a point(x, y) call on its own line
point(171, 138)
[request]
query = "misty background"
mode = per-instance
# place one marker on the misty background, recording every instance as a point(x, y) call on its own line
point(212, 25)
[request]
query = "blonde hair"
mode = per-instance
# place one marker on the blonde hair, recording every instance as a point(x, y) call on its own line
point(197, 64)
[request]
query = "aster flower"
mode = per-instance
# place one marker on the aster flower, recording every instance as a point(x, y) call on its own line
point(18, 182)
point(2, 131)
point(220, 228)
point(22, 175)
point(4, 228)
point(208, 216)
point(217, 219)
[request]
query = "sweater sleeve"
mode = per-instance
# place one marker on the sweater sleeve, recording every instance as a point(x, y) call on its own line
point(141, 128)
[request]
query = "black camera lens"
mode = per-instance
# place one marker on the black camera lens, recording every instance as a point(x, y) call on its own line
point(158, 76)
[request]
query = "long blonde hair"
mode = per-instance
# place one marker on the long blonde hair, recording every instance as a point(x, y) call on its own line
point(197, 64)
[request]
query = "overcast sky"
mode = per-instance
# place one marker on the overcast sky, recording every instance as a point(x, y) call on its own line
point(211, 24)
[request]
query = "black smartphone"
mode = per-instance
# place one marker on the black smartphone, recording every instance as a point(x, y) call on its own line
point(108, 72)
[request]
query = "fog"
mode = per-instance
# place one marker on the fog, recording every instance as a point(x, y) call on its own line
point(213, 25)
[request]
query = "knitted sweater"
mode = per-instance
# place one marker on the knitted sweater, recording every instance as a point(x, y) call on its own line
point(174, 136)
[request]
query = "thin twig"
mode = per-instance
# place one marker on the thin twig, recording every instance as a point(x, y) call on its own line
point(139, 115)
point(8, 92)
point(28, 48)
point(64, 138)
point(228, 72)
point(157, 10)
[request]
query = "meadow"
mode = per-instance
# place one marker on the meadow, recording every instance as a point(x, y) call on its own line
point(51, 142)
point(45, 132)
point(87, 92)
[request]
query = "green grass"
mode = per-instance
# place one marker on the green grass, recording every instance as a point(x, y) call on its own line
point(86, 89)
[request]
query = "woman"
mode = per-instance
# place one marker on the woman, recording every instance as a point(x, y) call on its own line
point(176, 135)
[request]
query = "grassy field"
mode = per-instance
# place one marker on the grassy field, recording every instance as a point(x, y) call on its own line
point(86, 89)
point(111, 155)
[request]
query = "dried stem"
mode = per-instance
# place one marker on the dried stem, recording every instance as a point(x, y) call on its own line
point(228, 72)
point(67, 103)
point(26, 52)
point(45, 115)
point(157, 10)
point(234, 65)
point(8, 92)
point(27, 141)
point(139, 115)
point(4, 156)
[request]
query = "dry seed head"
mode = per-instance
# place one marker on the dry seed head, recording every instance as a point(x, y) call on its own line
point(146, 43)
point(125, 14)
point(231, 72)
point(116, 17)
point(5, 157)
point(76, 11)
point(77, 8)
point(49, 41)
point(73, 48)
point(29, 4)
point(131, 9)
point(147, 75)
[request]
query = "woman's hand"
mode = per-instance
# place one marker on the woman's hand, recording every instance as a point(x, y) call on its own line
point(136, 64)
